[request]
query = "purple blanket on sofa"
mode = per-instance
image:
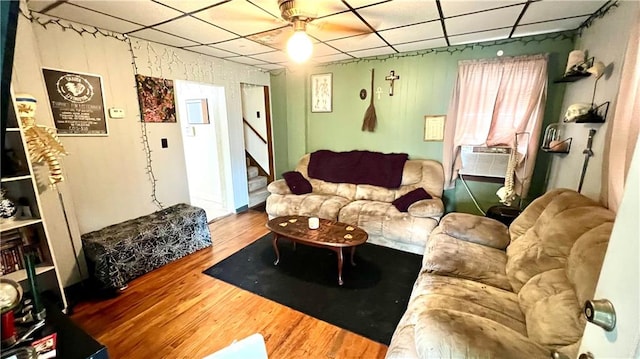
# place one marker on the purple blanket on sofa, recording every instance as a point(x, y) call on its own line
point(358, 167)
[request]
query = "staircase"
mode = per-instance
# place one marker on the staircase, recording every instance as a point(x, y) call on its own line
point(257, 187)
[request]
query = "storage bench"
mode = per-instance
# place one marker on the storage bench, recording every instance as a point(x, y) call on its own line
point(121, 252)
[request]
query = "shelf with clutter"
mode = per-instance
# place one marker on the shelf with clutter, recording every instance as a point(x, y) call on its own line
point(553, 141)
point(577, 68)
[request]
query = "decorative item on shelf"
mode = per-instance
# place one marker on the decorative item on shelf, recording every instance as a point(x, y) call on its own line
point(10, 299)
point(577, 67)
point(589, 113)
point(8, 208)
point(553, 141)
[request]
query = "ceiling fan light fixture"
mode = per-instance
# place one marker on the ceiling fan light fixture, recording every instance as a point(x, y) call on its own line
point(299, 47)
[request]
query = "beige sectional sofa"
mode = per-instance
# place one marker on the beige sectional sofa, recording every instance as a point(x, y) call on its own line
point(369, 207)
point(485, 291)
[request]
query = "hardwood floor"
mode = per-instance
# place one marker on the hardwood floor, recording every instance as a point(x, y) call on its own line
point(177, 311)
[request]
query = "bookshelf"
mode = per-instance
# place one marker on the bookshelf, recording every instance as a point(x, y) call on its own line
point(26, 232)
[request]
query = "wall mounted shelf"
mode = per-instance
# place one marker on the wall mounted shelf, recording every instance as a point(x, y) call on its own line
point(597, 114)
point(577, 72)
point(560, 147)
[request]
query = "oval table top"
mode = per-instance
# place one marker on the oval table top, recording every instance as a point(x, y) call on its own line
point(329, 233)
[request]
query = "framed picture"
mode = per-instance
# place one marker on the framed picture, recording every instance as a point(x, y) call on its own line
point(77, 102)
point(197, 111)
point(434, 127)
point(156, 97)
point(322, 93)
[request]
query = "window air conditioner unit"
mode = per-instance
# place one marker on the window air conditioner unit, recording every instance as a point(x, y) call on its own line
point(484, 161)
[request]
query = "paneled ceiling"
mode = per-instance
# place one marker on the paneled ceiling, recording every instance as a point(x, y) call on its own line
point(252, 31)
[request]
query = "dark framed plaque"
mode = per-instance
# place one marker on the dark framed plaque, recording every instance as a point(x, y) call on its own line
point(77, 102)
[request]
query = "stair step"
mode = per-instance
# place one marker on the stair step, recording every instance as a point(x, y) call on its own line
point(252, 171)
point(256, 183)
point(258, 196)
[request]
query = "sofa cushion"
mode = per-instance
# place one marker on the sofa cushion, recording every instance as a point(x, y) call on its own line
point(382, 221)
point(441, 333)
point(297, 183)
point(403, 202)
point(427, 208)
point(311, 204)
point(449, 256)
point(476, 229)
point(554, 317)
point(548, 241)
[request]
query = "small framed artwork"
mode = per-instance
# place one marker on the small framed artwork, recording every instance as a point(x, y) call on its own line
point(322, 93)
point(434, 127)
point(197, 111)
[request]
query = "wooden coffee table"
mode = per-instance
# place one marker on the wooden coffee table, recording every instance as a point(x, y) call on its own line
point(331, 234)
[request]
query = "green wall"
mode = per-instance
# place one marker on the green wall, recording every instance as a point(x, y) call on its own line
point(425, 87)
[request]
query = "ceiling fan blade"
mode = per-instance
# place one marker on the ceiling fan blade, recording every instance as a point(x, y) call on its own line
point(342, 28)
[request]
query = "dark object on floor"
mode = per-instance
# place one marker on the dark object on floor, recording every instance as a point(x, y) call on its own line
point(370, 303)
point(124, 251)
point(503, 214)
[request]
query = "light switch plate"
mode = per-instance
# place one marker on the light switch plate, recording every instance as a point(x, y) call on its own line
point(116, 112)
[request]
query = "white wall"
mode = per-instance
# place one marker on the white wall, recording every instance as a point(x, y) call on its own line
point(605, 40)
point(106, 182)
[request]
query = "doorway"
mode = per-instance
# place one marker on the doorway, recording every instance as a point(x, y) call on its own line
point(258, 141)
point(202, 114)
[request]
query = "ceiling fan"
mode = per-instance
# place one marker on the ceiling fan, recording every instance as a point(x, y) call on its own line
point(299, 14)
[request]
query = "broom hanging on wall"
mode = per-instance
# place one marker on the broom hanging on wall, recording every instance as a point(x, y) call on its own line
point(370, 119)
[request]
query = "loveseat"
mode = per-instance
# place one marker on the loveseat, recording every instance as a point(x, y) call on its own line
point(488, 291)
point(369, 207)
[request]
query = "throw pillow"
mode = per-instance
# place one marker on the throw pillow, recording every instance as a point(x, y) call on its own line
point(402, 203)
point(297, 183)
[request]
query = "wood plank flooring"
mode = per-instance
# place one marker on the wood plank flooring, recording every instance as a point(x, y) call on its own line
point(178, 312)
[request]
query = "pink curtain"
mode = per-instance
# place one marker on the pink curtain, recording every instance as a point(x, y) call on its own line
point(623, 131)
point(494, 100)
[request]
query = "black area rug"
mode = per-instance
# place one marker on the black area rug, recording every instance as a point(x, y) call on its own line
point(370, 303)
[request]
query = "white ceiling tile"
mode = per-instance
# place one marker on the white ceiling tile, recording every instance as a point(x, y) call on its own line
point(386, 50)
point(331, 58)
point(161, 37)
point(39, 5)
point(355, 43)
point(320, 49)
point(456, 7)
point(399, 13)
point(240, 17)
point(212, 51)
point(424, 31)
point(196, 30)
point(421, 45)
point(483, 21)
point(243, 47)
point(143, 12)
point(550, 26)
point(337, 26)
point(480, 36)
point(551, 10)
point(271, 66)
point(187, 5)
point(275, 56)
point(245, 60)
point(275, 38)
point(95, 19)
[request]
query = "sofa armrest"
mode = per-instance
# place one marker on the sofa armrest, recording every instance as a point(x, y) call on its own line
point(427, 208)
point(476, 229)
point(278, 187)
